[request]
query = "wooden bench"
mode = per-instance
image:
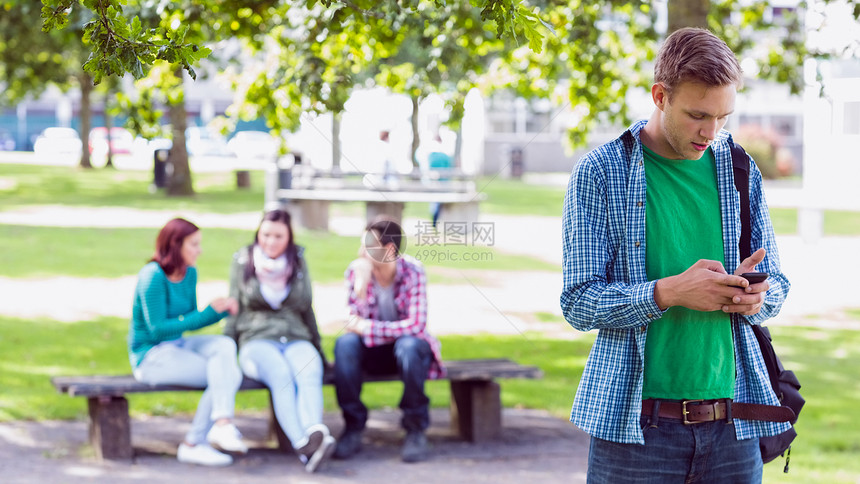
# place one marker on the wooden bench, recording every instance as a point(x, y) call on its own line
point(476, 408)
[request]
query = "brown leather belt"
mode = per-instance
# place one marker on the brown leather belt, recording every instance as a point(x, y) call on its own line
point(699, 411)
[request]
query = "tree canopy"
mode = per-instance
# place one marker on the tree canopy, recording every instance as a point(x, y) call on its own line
point(122, 44)
point(307, 56)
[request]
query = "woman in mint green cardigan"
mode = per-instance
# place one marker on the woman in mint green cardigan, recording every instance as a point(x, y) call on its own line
point(165, 306)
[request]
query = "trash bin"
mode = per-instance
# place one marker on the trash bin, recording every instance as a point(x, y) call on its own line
point(159, 167)
point(279, 175)
point(517, 163)
point(243, 179)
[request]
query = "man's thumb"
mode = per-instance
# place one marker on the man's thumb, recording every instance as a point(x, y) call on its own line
point(748, 265)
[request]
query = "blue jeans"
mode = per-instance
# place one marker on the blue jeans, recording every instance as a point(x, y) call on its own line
point(408, 356)
point(197, 361)
point(677, 453)
point(293, 371)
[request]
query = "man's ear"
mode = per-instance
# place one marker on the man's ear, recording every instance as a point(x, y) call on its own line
point(659, 95)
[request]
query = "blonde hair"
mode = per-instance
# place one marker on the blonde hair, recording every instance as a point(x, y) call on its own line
point(696, 55)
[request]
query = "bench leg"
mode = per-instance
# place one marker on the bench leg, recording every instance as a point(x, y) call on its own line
point(476, 410)
point(310, 214)
point(275, 430)
point(393, 210)
point(110, 427)
point(460, 212)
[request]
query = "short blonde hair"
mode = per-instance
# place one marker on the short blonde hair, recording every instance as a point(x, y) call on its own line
point(696, 55)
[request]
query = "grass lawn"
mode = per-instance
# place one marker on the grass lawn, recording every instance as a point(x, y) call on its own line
point(827, 449)
point(99, 252)
point(60, 185)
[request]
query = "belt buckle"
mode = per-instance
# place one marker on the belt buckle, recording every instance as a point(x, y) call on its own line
point(685, 412)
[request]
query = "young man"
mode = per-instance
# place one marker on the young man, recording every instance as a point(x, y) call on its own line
point(386, 334)
point(651, 259)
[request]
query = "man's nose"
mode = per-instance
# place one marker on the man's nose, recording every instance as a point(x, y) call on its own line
point(709, 130)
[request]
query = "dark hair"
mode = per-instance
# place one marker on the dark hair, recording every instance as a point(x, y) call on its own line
point(168, 245)
point(292, 252)
point(696, 55)
point(388, 230)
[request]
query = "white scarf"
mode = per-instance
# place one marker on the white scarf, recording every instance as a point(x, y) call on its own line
point(273, 275)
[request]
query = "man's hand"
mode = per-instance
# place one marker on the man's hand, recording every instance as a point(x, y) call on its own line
point(357, 325)
point(749, 302)
point(362, 272)
point(705, 286)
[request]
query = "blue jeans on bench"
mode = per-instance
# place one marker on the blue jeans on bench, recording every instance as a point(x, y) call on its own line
point(293, 371)
point(408, 356)
point(206, 361)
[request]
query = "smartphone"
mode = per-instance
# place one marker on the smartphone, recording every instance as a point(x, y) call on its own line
point(754, 277)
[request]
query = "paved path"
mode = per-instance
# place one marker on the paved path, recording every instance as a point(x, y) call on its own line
point(534, 447)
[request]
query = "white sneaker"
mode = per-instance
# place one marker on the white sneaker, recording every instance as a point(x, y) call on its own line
point(228, 438)
point(312, 440)
point(323, 452)
point(202, 454)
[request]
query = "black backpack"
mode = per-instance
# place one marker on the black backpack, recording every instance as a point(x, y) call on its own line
point(783, 381)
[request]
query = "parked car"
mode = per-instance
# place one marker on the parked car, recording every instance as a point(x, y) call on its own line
point(121, 141)
point(203, 142)
point(253, 144)
point(58, 141)
point(7, 141)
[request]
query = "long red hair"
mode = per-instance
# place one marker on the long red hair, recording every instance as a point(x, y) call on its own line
point(168, 245)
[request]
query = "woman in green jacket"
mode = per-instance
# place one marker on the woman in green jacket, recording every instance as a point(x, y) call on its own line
point(276, 330)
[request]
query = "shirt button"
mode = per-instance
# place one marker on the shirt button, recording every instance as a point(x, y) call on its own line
point(640, 163)
point(637, 244)
point(650, 316)
point(643, 327)
point(638, 204)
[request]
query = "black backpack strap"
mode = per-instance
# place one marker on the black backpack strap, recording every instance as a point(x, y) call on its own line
point(741, 171)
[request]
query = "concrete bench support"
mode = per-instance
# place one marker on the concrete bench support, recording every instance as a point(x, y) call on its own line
point(391, 209)
point(310, 214)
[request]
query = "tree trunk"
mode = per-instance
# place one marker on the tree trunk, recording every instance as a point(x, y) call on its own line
point(416, 137)
point(458, 147)
point(86, 85)
point(335, 143)
point(108, 126)
point(688, 13)
point(179, 180)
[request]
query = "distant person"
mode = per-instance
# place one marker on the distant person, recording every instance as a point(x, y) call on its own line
point(386, 334)
point(165, 307)
point(386, 155)
point(277, 334)
point(438, 160)
point(675, 388)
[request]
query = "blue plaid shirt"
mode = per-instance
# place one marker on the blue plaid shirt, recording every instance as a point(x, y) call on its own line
point(606, 288)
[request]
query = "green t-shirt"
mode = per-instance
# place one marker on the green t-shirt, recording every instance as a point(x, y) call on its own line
point(688, 354)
